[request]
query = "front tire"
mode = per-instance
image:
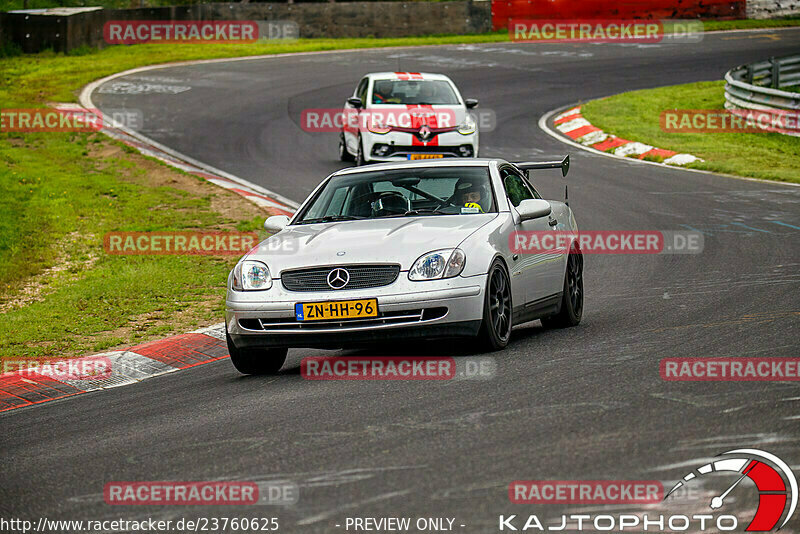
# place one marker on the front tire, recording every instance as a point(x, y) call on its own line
point(360, 159)
point(256, 361)
point(344, 155)
point(497, 309)
point(572, 298)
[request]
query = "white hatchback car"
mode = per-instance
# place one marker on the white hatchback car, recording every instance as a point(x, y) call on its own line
point(395, 116)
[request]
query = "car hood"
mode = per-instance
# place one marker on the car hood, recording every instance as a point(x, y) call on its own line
point(398, 240)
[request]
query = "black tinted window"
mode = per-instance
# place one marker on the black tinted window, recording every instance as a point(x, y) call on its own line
point(516, 188)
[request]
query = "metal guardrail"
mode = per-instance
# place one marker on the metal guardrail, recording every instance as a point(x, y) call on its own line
point(756, 89)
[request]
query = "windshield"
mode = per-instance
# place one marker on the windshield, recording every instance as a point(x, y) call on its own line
point(402, 193)
point(413, 92)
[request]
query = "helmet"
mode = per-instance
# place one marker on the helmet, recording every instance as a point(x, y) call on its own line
point(383, 87)
point(468, 185)
point(465, 186)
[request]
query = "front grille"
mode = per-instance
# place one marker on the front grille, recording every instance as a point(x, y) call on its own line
point(405, 317)
point(361, 277)
point(415, 132)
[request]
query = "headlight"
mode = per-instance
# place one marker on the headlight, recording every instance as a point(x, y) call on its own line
point(376, 127)
point(250, 275)
point(468, 126)
point(438, 264)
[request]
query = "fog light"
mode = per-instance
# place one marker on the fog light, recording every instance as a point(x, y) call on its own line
point(465, 151)
point(380, 150)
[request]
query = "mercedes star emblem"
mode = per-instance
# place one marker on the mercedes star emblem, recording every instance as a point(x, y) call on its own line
point(338, 278)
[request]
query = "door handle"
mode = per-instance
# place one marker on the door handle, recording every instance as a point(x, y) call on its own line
point(552, 222)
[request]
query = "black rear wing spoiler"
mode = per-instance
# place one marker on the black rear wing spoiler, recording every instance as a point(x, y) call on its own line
point(530, 165)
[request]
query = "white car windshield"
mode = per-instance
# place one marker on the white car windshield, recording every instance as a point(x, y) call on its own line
point(418, 92)
point(402, 193)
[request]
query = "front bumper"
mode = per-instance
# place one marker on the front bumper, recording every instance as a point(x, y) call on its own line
point(398, 146)
point(432, 309)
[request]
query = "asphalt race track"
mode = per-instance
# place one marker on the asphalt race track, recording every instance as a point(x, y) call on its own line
point(583, 403)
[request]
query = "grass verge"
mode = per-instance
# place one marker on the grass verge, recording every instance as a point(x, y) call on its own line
point(636, 116)
point(62, 294)
point(749, 24)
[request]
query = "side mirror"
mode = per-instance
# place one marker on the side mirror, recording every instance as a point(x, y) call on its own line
point(276, 223)
point(471, 103)
point(533, 208)
point(355, 102)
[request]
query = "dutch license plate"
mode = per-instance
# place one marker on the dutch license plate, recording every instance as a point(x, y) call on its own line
point(337, 309)
point(425, 156)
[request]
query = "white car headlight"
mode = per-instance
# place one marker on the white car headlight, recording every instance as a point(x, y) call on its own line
point(468, 126)
point(251, 275)
point(376, 126)
point(445, 263)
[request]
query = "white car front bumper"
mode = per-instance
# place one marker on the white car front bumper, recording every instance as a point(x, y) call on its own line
point(398, 146)
point(437, 308)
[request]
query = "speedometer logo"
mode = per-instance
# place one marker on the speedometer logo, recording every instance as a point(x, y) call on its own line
point(776, 484)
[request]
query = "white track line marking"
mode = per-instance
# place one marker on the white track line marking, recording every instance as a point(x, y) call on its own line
point(85, 99)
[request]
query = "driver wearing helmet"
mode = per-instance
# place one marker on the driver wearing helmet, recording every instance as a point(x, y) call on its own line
point(382, 94)
point(469, 195)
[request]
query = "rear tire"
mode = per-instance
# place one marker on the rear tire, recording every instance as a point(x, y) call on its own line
point(572, 298)
point(344, 155)
point(256, 361)
point(497, 309)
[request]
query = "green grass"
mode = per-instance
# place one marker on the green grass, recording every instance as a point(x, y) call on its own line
point(9, 5)
point(636, 116)
point(58, 203)
point(749, 24)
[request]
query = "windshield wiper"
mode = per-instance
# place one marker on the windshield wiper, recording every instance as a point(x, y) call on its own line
point(331, 218)
point(423, 211)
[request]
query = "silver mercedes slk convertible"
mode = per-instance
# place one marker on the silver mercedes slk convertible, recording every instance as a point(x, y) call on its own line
point(405, 250)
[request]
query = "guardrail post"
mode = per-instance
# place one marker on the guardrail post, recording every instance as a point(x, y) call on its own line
point(776, 73)
point(749, 74)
